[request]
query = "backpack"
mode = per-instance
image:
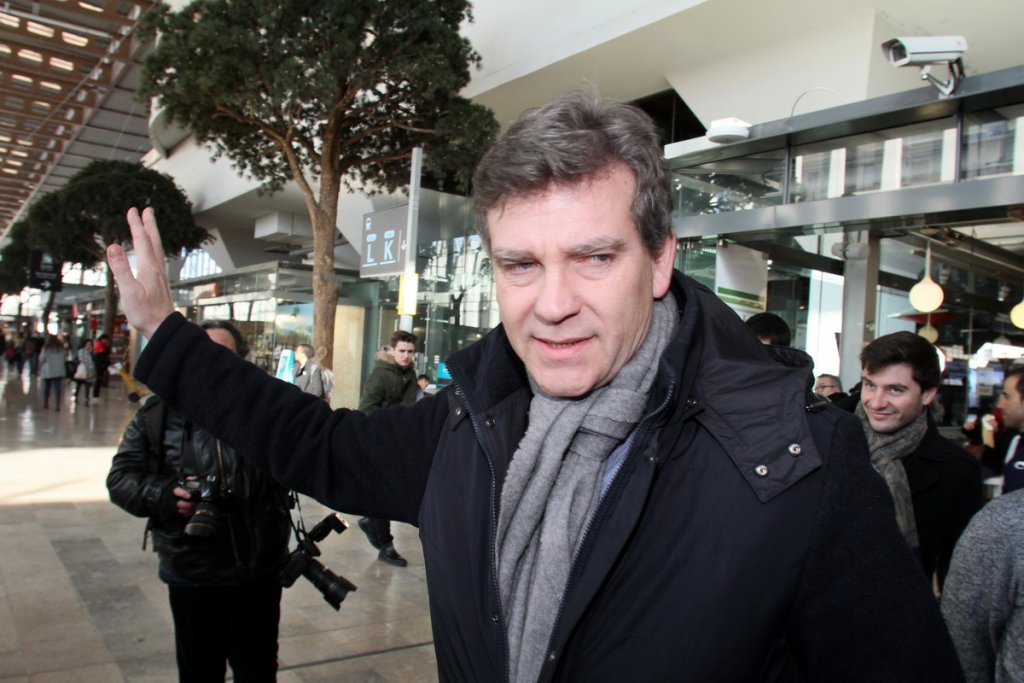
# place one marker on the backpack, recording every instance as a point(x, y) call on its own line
point(327, 379)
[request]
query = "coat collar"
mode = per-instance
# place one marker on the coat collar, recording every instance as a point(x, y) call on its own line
point(751, 398)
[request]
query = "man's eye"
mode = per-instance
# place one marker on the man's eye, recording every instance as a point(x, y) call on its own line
point(520, 267)
point(599, 258)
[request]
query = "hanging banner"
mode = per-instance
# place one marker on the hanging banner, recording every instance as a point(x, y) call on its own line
point(741, 279)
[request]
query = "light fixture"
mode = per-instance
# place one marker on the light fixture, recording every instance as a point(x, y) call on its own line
point(407, 286)
point(926, 295)
point(929, 332)
point(1017, 314)
point(724, 131)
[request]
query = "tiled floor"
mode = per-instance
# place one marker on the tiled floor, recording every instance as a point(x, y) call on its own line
point(80, 600)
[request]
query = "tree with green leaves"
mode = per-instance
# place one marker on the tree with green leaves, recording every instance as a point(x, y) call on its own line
point(325, 93)
point(14, 261)
point(76, 223)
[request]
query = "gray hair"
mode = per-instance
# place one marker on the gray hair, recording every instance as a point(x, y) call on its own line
point(571, 140)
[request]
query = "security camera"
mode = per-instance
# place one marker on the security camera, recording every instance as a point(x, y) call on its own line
point(927, 51)
point(921, 50)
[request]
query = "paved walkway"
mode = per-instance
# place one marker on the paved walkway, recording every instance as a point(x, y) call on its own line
point(80, 600)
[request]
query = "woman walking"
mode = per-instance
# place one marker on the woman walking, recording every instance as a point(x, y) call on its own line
point(53, 369)
point(85, 370)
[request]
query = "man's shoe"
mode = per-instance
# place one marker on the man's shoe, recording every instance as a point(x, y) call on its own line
point(365, 525)
point(390, 555)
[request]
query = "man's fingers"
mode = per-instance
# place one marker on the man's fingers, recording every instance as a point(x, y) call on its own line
point(119, 266)
point(142, 228)
point(153, 245)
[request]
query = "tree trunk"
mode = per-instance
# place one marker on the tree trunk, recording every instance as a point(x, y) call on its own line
point(47, 309)
point(109, 305)
point(325, 286)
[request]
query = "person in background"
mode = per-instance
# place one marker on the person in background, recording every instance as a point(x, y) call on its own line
point(84, 358)
point(423, 387)
point(308, 376)
point(770, 329)
point(619, 483)
point(13, 355)
point(220, 528)
point(30, 351)
point(53, 370)
point(983, 600)
point(1011, 404)
point(935, 484)
point(391, 382)
point(101, 358)
point(830, 387)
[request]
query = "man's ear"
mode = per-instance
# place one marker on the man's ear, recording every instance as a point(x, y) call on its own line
point(928, 396)
point(663, 263)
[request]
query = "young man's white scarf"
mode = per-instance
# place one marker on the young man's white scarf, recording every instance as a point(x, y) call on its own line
point(553, 488)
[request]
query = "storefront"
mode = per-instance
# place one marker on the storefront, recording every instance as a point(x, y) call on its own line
point(829, 217)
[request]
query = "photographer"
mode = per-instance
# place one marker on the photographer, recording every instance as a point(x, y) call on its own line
point(221, 530)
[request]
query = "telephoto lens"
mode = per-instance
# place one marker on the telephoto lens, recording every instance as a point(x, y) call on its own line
point(334, 588)
point(302, 562)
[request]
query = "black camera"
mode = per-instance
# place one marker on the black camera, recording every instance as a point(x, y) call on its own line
point(302, 561)
point(204, 493)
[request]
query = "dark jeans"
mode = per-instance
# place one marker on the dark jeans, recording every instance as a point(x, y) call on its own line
point(217, 625)
point(54, 384)
point(101, 371)
point(82, 384)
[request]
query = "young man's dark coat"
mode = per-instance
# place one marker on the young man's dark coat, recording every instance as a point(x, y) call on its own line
point(744, 538)
point(946, 487)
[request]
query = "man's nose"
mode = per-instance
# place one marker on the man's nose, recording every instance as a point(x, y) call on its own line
point(557, 298)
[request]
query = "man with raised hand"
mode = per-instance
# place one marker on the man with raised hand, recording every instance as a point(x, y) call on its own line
point(620, 482)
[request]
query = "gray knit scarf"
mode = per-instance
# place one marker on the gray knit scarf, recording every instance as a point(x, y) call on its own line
point(552, 489)
point(887, 454)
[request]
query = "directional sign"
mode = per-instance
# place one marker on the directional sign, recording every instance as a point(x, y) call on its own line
point(44, 273)
point(384, 242)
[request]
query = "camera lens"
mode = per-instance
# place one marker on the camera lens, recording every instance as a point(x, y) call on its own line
point(203, 522)
point(334, 588)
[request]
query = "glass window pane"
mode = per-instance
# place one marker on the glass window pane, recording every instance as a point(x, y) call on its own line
point(993, 143)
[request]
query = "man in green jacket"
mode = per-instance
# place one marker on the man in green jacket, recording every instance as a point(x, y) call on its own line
point(392, 382)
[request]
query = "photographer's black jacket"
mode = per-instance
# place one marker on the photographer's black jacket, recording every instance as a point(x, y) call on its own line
point(252, 516)
point(744, 538)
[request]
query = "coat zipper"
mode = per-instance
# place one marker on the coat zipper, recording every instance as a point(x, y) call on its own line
point(601, 513)
point(231, 526)
point(456, 372)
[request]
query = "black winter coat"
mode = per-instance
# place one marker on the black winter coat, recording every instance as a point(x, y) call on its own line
point(946, 488)
point(252, 524)
point(743, 539)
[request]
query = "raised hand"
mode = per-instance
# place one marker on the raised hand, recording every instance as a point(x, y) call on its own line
point(146, 295)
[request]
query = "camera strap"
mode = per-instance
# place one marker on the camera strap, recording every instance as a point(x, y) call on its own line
point(156, 418)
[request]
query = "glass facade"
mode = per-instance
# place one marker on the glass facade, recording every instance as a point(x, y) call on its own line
point(804, 281)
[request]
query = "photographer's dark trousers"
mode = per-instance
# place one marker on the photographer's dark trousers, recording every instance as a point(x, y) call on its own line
point(381, 532)
point(236, 624)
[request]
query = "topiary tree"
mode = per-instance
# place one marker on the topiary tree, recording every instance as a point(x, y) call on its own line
point(76, 223)
point(14, 261)
point(325, 93)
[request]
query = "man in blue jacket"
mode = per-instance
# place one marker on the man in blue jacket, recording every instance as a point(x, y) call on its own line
point(620, 483)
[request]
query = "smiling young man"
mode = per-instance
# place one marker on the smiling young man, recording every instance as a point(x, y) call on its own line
point(1011, 403)
point(936, 485)
point(620, 483)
